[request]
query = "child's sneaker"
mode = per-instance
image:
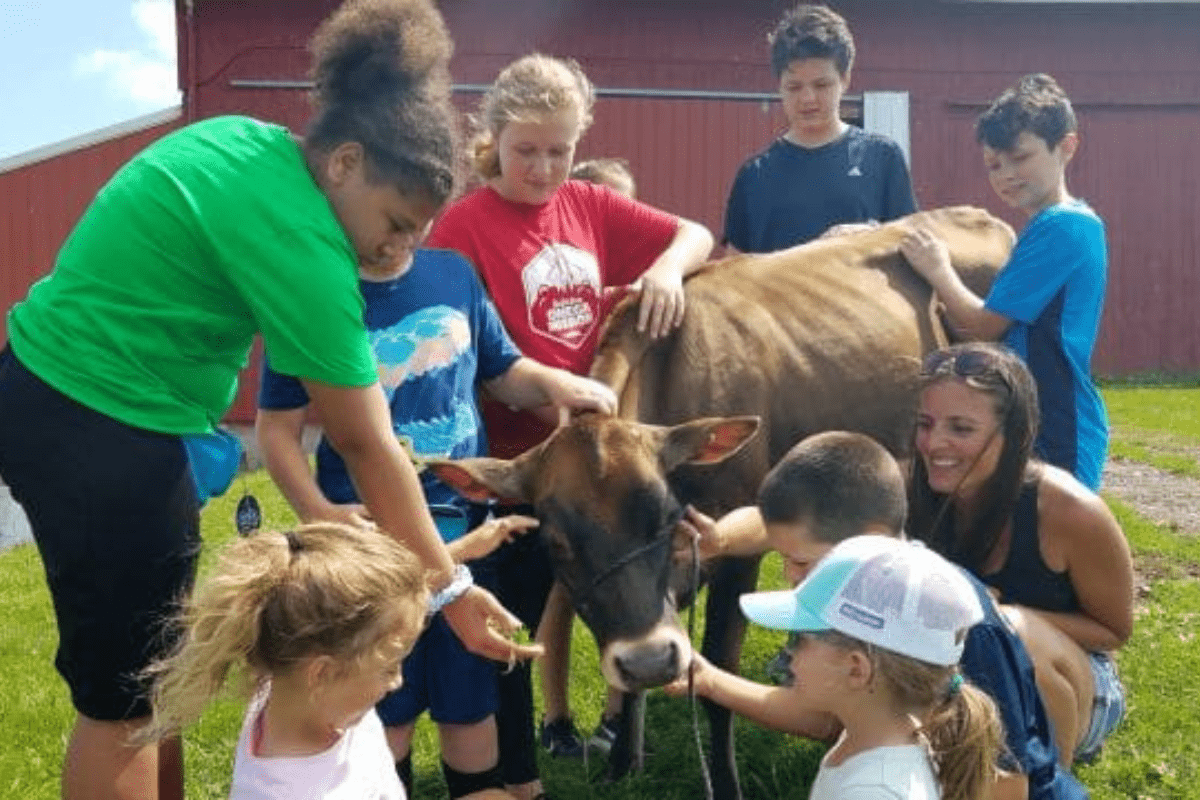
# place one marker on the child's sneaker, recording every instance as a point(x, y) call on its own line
point(604, 735)
point(560, 738)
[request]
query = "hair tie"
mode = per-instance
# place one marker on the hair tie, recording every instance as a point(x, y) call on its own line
point(956, 682)
point(293, 541)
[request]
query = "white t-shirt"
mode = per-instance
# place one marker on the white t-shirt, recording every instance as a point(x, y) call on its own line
point(358, 766)
point(902, 772)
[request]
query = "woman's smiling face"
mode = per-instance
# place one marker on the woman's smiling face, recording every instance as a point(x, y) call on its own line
point(958, 437)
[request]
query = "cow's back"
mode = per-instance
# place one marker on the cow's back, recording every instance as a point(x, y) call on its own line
point(826, 335)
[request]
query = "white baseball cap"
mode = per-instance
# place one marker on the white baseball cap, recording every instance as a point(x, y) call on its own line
point(894, 594)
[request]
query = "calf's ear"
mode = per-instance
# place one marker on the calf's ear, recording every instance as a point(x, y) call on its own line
point(705, 441)
point(483, 479)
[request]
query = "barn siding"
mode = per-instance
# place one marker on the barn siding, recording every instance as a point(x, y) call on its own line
point(1132, 69)
point(41, 201)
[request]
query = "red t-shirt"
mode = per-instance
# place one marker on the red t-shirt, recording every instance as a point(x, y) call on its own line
point(546, 268)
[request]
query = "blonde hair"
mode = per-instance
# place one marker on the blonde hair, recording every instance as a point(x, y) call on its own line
point(531, 86)
point(611, 172)
point(959, 721)
point(277, 598)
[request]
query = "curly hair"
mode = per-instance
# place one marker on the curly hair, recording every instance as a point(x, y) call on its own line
point(381, 78)
point(278, 598)
point(529, 87)
point(1036, 104)
point(811, 31)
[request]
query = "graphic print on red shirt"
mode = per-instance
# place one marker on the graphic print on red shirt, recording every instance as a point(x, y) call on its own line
point(563, 290)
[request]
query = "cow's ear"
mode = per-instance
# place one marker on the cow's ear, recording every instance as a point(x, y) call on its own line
point(705, 441)
point(482, 479)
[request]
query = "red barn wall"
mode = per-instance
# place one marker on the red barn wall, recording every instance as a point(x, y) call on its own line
point(1133, 70)
point(41, 201)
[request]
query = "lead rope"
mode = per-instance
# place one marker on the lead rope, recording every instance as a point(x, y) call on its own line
point(708, 789)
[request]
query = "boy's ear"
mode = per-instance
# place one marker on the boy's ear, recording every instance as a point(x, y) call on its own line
point(1068, 146)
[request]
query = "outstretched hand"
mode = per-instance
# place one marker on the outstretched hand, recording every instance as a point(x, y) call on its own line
point(483, 626)
point(488, 536)
point(701, 672)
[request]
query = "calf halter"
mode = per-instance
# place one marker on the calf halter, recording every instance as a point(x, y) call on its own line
point(665, 536)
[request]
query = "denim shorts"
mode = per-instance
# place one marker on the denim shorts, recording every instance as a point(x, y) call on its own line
point(1108, 707)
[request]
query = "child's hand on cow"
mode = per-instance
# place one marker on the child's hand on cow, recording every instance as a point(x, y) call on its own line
point(698, 530)
point(577, 393)
point(488, 536)
point(661, 308)
point(927, 253)
point(701, 678)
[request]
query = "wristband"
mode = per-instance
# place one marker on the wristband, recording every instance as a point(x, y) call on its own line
point(456, 588)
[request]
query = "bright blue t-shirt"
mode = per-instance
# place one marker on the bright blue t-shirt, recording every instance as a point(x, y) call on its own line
point(1053, 289)
point(436, 335)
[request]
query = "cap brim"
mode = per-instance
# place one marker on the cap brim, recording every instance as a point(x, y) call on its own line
point(780, 610)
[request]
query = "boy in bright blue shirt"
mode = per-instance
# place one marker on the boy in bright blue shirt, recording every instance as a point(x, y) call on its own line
point(1047, 301)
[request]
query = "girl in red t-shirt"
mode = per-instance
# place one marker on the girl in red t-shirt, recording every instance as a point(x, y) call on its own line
point(547, 248)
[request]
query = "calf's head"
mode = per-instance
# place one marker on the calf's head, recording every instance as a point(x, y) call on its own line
point(599, 488)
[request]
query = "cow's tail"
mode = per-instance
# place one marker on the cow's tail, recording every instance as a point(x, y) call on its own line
point(619, 353)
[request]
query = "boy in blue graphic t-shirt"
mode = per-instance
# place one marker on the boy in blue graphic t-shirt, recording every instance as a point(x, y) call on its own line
point(1047, 301)
point(437, 342)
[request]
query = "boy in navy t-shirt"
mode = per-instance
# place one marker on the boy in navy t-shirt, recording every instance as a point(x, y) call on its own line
point(1047, 300)
point(821, 172)
point(437, 341)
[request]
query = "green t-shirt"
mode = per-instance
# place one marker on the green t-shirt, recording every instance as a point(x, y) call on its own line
point(213, 233)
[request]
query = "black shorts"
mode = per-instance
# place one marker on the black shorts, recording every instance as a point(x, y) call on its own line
point(116, 520)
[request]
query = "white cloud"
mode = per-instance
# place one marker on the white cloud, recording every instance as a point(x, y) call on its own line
point(147, 74)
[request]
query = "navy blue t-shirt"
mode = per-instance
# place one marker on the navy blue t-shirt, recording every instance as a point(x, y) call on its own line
point(788, 194)
point(435, 335)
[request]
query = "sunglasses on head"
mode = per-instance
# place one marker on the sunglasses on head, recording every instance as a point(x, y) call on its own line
point(962, 364)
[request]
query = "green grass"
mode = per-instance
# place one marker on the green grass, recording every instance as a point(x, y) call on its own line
point(1159, 426)
point(1155, 754)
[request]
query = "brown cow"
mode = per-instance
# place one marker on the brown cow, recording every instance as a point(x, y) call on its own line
point(825, 335)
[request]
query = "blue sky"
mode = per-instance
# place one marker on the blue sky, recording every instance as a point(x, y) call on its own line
point(70, 66)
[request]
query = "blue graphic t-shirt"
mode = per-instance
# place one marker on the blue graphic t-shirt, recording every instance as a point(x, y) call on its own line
point(435, 335)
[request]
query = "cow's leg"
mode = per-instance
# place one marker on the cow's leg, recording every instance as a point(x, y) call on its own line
point(722, 645)
point(622, 756)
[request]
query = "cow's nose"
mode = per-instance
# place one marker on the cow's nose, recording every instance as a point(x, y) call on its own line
point(649, 664)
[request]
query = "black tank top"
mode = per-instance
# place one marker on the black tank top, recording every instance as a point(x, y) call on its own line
point(1025, 579)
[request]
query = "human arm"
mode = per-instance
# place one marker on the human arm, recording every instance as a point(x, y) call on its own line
point(1080, 535)
point(662, 304)
point(280, 440)
point(358, 423)
point(739, 533)
point(530, 384)
point(774, 707)
point(488, 536)
point(965, 310)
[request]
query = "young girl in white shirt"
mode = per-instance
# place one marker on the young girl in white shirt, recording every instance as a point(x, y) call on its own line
point(882, 624)
point(316, 620)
